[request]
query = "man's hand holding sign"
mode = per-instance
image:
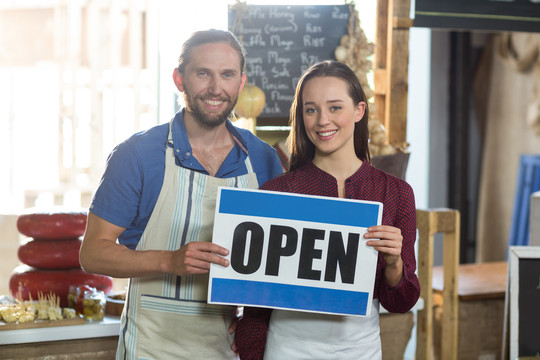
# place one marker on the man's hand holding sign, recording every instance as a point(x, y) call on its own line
point(295, 252)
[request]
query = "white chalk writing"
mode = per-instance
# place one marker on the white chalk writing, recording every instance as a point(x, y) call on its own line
point(310, 41)
point(273, 57)
point(275, 40)
point(280, 71)
point(310, 15)
point(274, 109)
point(308, 59)
point(267, 85)
point(289, 27)
point(275, 13)
point(278, 96)
point(337, 14)
point(256, 13)
point(313, 28)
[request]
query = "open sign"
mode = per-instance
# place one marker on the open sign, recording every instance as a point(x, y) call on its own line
point(295, 252)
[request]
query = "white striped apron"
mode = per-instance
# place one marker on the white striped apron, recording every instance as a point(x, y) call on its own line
point(310, 336)
point(166, 316)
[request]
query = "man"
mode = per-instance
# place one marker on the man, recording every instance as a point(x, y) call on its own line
point(157, 197)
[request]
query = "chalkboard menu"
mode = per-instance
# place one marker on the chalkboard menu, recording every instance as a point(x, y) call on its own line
point(496, 15)
point(282, 42)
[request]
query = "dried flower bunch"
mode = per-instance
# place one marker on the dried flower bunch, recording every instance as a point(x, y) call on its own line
point(355, 50)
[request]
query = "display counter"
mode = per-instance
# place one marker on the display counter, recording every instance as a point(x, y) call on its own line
point(90, 340)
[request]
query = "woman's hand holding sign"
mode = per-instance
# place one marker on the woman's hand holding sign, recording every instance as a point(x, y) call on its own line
point(389, 244)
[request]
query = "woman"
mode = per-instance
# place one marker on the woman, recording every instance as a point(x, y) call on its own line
point(330, 157)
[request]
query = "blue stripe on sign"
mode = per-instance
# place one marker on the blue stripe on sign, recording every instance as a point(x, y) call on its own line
point(290, 206)
point(292, 297)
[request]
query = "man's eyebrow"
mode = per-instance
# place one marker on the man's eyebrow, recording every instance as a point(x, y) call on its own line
point(234, 71)
point(200, 68)
point(205, 69)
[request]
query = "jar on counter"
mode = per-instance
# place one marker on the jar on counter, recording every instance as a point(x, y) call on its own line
point(94, 305)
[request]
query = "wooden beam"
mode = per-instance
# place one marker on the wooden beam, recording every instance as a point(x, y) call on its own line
point(402, 22)
point(449, 336)
point(379, 79)
point(426, 222)
point(381, 36)
point(429, 223)
point(397, 65)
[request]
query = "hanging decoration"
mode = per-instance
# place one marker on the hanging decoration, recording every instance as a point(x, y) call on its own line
point(527, 60)
point(250, 101)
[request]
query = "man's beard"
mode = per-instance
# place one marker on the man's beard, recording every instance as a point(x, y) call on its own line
point(206, 120)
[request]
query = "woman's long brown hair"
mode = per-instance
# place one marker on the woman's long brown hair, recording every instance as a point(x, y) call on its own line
point(302, 149)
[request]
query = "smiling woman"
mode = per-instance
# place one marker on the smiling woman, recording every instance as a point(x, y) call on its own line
point(330, 157)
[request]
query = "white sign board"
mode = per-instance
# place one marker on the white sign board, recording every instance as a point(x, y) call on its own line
point(294, 252)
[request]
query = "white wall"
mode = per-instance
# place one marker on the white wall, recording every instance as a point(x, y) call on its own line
point(427, 116)
point(438, 119)
point(418, 114)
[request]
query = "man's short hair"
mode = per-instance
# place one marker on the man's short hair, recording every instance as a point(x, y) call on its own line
point(210, 37)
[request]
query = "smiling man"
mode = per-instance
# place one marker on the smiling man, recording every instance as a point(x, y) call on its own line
point(152, 216)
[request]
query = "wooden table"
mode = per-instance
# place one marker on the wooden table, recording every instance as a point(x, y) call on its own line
point(476, 281)
point(481, 296)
